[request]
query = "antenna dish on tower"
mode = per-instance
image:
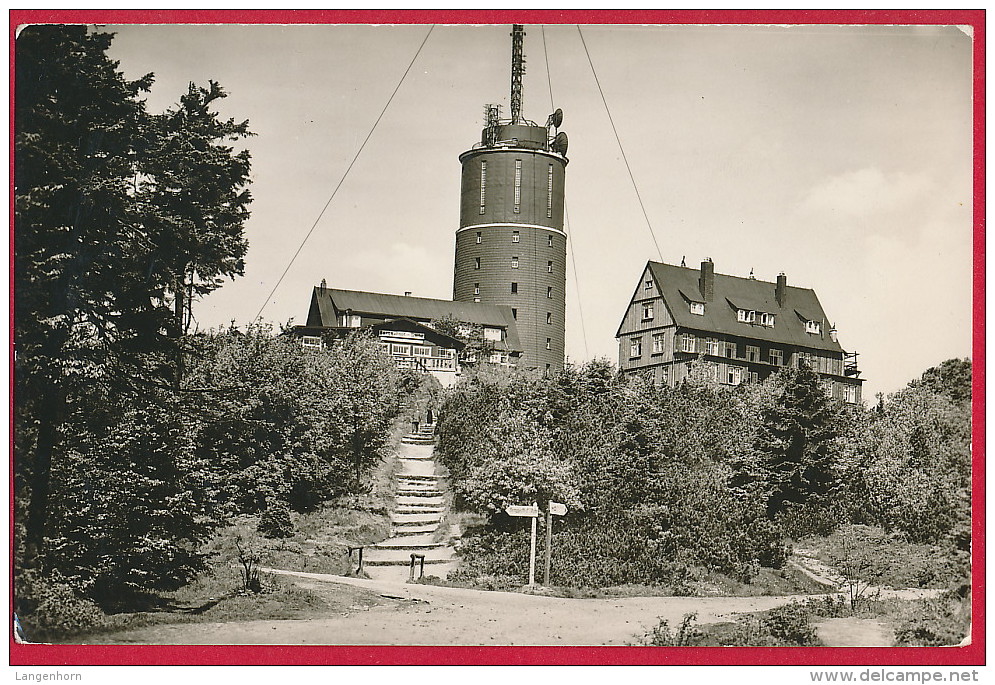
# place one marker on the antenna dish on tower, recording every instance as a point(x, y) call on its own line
point(555, 119)
point(560, 143)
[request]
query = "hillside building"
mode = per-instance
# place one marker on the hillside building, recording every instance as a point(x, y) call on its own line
point(744, 329)
point(404, 327)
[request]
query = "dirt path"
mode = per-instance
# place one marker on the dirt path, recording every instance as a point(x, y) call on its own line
point(428, 615)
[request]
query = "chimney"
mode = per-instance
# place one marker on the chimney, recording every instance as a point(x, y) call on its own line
point(322, 287)
point(706, 282)
point(781, 291)
point(407, 293)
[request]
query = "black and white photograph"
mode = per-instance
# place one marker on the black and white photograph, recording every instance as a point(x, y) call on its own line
point(460, 335)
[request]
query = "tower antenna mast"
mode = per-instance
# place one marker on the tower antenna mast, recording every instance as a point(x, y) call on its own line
point(517, 70)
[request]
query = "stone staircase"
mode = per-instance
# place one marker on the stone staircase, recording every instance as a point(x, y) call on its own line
point(419, 506)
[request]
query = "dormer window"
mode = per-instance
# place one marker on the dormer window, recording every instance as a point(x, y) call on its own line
point(647, 311)
point(698, 308)
point(311, 342)
point(746, 316)
point(766, 319)
point(813, 327)
point(649, 284)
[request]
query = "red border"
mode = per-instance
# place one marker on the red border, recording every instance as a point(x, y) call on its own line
point(974, 654)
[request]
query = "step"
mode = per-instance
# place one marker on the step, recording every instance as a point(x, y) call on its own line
point(419, 529)
point(428, 509)
point(402, 544)
point(416, 519)
point(419, 492)
point(432, 500)
point(418, 479)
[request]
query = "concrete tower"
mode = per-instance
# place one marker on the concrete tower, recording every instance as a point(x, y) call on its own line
point(511, 248)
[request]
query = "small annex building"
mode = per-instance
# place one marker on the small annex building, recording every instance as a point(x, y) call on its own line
point(745, 329)
point(403, 325)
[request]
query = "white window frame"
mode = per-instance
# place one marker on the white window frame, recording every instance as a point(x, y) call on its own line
point(476, 288)
point(476, 263)
point(549, 241)
point(549, 292)
point(518, 185)
point(659, 343)
point(480, 238)
point(516, 237)
point(492, 334)
point(549, 193)
point(712, 347)
point(746, 316)
point(776, 357)
point(689, 343)
point(767, 319)
point(483, 188)
point(514, 262)
point(311, 342)
point(636, 347)
point(647, 311)
point(814, 327)
point(697, 308)
point(849, 393)
point(734, 375)
point(752, 353)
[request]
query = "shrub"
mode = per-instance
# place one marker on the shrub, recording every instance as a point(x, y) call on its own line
point(661, 635)
point(938, 622)
point(791, 624)
point(48, 608)
point(275, 520)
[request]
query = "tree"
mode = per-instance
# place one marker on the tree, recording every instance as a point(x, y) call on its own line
point(193, 200)
point(795, 450)
point(77, 123)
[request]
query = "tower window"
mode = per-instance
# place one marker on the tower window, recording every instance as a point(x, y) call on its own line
point(518, 184)
point(476, 288)
point(549, 193)
point(549, 291)
point(514, 313)
point(549, 267)
point(516, 237)
point(549, 317)
point(483, 186)
point(514, 288)
point(549, 241)
point(476, 299)
point(549, 343)
point(514, 262)
point(479, 238)
point(476, 262)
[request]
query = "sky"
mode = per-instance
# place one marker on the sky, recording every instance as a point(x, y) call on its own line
point(840, 155)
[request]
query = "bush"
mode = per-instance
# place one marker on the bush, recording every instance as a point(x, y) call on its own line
point(275, 520)
point(662, 636)
point(939, 622)
point(48, 608)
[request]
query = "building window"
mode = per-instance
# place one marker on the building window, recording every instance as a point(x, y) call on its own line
point(514, 262)
point(549, 292)
point(476, 299)
point(476, 288)
point(483, 187)
point(311, 342)
point(350, 321)
point(647, 311)
point(658, 342)
point(549, 343)
point(636, 347)
point(813, 327)
point(549, 317)
point(549, 193)
point(518, 184)
point(514, 288)
point(516, 237)
point(549, 267)
point(767, 319)
point(734, 375)
point(514, 313)
point(730, 350)
point(753, 353)
point(476, 262)
point(479, 238)
point(776, 357)
point(698, 308)
point(492, 334)
point(688, 344)
point(549, 241)
point(649, 284)
point(850, 394)
point(712, 347)
point(746, 316)
point(754, 377)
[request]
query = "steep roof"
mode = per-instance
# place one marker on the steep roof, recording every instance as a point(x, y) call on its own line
point(679, 285)
point(328, 303)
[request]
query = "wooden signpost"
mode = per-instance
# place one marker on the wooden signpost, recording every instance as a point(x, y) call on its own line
point(533, 513)
point(552, 509)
